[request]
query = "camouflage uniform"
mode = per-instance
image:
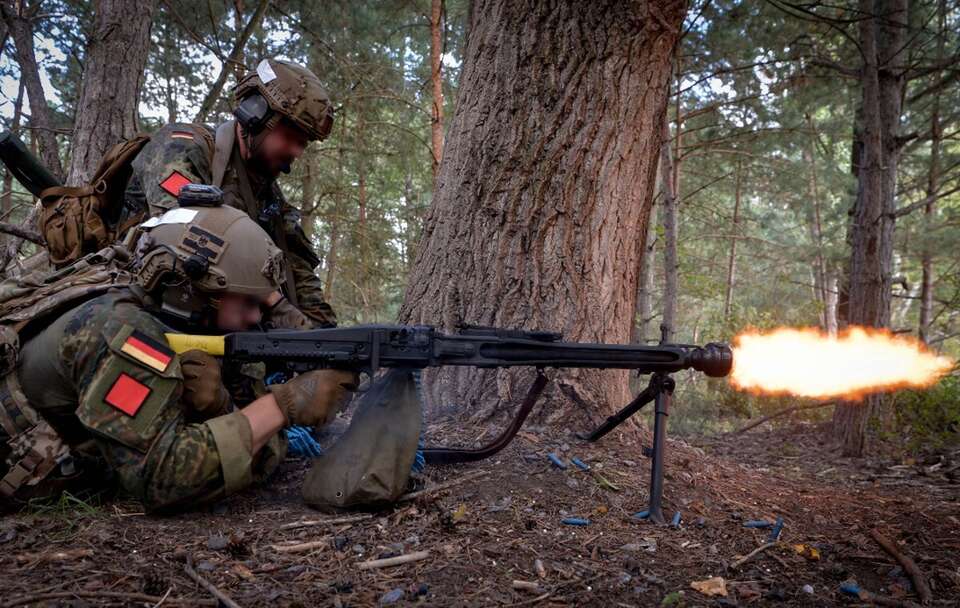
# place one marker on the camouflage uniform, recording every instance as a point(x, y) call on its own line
point(81, 376)
point(180, 153)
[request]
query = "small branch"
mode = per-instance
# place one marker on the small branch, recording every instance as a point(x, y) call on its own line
point(394, 561)
point(443, 486)
point(302, 547)
point(910, 566)
point(222, 597)
point(752, 554)
point(325, 522)
point(783, 412)
point(24, 233)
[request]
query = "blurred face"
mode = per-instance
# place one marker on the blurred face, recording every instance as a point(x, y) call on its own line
point(237, 312)
point(279, 147)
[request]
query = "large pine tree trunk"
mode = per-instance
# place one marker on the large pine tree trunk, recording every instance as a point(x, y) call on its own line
point(545, 187)
point(112, 79)
point(882, 41)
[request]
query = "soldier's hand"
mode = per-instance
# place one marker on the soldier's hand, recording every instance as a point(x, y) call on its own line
point(203, 389)
point(315, 397)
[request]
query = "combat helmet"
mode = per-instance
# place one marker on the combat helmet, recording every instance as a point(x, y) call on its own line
point(189, 256)
point(283, 90)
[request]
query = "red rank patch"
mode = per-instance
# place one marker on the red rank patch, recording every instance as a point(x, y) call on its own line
point(174, 182)
point(127, 394)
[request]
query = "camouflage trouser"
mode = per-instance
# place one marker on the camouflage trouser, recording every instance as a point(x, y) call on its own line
point(32, 449)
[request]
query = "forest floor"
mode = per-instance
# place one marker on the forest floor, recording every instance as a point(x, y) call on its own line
point(502, 522)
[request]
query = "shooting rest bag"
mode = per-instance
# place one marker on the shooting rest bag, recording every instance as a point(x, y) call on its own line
point(370, 464)
point(75, 220)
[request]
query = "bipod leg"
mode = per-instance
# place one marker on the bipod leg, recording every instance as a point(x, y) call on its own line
point(644, 397)
point(665, 386)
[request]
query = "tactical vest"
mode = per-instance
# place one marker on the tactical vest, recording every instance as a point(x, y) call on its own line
point(36, 450)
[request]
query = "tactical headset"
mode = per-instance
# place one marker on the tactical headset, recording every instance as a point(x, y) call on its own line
point(253, 113)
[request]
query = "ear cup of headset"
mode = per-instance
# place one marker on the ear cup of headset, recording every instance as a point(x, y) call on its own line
point(252, 113)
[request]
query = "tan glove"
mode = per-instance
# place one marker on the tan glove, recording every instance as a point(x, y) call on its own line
point(315, 397)
point(203, 389)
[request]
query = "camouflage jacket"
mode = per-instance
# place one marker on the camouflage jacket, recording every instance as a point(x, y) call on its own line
point(104, 371)
point(182, 153)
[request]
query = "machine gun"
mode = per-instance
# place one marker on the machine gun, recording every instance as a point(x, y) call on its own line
point(367, 348)
point(23, 165)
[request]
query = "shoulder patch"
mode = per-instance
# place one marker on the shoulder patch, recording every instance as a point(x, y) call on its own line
point(127, 394)
point(148, 351)
point(173, 182)
point(181, 135)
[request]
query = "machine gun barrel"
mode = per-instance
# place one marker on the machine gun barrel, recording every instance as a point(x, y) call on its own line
point(370, 347)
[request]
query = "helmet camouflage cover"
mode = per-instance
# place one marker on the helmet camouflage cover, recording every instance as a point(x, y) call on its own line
point(218, 249)
point(293, 92)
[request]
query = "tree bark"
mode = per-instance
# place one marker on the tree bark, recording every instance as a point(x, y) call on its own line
point(19, 20)
point(545, 188)
point(112, 80)
point(436, 77)
point(815, 224)
point(882, 42)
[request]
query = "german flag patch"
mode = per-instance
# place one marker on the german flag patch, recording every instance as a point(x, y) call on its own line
point(148, 351)
point(181, 135)
point(127, 394)
point(174, 182)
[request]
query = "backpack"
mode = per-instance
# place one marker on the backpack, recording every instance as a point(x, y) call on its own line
point(74, 219)
point(33, 449)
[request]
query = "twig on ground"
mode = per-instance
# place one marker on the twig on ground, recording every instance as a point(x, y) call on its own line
point(394, 561)
point(301, 547)
point(215, 591)
point(157, 605)
point(442, 486)
point(325, 522)
point(882, 600)
point(752, 554)
point(910, 566)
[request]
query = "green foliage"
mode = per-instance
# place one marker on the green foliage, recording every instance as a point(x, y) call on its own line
point(927, 420)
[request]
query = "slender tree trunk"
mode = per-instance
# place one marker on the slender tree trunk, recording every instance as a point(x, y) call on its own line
point(308, 189)
point(19, 20)
point(648, 274)
point(831, 294)
point(933, 188)
point(734, 233)
point(816, 227)
point(113, 76)
point(671, 266)
point(882, 41)
point(436, 77)
point(545, 189)
point(6, 201)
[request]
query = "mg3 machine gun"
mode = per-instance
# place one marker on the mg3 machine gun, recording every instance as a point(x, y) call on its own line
point(367, 348)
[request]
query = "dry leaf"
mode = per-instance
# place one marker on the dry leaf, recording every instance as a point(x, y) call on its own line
point(711, 586)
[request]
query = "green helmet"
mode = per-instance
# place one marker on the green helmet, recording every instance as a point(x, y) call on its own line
point(281, 89)
point(191, 255)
